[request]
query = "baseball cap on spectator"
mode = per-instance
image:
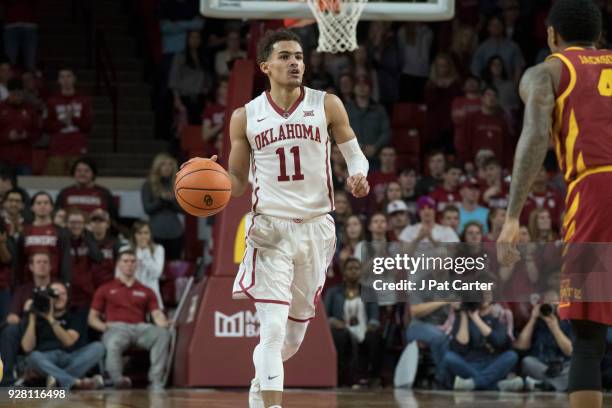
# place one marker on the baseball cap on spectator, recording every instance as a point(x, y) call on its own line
point(396, 206)
point(99, 215)
point(426, 202)
point(470, 182)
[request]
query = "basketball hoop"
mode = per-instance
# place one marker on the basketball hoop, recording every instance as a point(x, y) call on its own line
point(337, 21)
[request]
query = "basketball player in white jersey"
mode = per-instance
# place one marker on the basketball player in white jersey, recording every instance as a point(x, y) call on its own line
point(284, 137)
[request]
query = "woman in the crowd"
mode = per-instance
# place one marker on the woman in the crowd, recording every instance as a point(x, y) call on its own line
point(495, 75)
point(160, 205)
point(150, 257)
point(189, 81)
point(540, 226)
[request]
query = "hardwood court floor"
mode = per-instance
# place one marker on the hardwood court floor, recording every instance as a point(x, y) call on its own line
point(209, 398)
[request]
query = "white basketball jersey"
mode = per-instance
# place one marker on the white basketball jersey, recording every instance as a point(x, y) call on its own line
point(290, 156)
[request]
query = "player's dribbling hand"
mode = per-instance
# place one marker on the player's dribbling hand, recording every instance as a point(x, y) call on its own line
point(507, 253)
point(194, 159)
point(358, 185)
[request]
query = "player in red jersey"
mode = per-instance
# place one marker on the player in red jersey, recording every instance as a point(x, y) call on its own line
point(570, 94)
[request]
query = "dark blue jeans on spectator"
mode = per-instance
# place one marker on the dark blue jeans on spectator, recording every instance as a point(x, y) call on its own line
point(10, 339)
point(67, 366)
point(5, 302)
point(429, 334)
point(485, 372)
point(24, 38)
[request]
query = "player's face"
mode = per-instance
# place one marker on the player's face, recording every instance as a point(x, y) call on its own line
point(42, 206)
point(473, 235)
point(285, 66)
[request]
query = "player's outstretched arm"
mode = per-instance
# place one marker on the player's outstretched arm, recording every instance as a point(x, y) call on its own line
point(537, 92)
point(240, 153)
point(356, 162)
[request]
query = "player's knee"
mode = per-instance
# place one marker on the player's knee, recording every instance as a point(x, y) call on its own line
point(290, 347)
point(272, 333)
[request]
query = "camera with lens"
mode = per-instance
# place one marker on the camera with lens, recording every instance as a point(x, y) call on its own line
point(546, 309)
point(41, 300)
point(470, 306)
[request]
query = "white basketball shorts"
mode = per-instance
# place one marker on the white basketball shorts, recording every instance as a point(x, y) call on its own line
point(285, 262)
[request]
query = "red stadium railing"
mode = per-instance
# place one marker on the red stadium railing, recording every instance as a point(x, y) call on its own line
point(106, 74)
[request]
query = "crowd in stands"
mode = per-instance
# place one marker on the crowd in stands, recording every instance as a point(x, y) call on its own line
point(451, 86)
point(79, 288)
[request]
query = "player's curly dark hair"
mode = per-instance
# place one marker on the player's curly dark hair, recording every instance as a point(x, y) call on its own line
point(266, 43)
point(576, 21)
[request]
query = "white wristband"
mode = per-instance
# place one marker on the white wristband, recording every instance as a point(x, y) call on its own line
point(356, 161)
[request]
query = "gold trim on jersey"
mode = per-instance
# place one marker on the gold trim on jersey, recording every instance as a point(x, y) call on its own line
point(560, 104)
point(570, 144)
point(573, 184)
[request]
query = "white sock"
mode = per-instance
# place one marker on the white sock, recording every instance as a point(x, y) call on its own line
point(267, 355)
point(276, 406)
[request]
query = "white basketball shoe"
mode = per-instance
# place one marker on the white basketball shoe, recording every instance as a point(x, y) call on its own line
point(255, 398)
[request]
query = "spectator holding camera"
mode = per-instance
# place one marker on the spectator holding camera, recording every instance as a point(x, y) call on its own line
point(479, 358)
point(49, 336)
point(125, 303)
point(10, 337)
point(547, 343)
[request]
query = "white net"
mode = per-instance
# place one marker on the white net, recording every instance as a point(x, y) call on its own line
point(337, 21)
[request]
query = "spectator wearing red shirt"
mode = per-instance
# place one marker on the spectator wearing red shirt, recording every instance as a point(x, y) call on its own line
point(99, 225)
point(7, 257)
point(85, 194)
point(6, 73)
point(487, 129)
point(19, 128)
point(124, 303)
point(68, 122)
point(43, 236)
point(468, 103)
point(436, 164)
point(440, 90)
point(10, 337)
point(542, 196)
point(84, 254)
point(21, 31)
point(214, 120)
point(494, 191)
point(379, 179)
point(448, 192)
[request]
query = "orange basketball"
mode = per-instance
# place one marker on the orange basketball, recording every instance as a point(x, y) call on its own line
point(202, 188)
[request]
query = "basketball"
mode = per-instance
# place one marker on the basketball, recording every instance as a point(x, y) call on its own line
point(202, 188)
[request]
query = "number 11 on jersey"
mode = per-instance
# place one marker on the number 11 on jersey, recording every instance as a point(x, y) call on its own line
point(297, 174)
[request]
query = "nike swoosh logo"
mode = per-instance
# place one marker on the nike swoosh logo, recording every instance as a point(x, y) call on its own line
point(259, 120)
point(271, 378)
